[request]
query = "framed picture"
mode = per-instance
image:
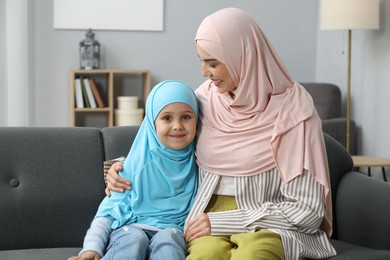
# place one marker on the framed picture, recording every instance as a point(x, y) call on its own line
point(135, 15)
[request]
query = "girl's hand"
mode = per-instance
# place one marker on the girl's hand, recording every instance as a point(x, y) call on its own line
point(197, 227)
point(114, 181)
point(87, 255)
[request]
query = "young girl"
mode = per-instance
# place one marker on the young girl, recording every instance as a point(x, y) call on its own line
point(148, 221)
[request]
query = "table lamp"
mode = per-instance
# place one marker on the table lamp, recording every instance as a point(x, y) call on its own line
point(349, 15)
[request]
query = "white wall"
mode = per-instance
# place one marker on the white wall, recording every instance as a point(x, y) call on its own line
point(370, 78)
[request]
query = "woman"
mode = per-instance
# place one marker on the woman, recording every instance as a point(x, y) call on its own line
point(264, 189)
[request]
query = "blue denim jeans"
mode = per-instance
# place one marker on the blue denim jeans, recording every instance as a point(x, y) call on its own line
point(134, 243)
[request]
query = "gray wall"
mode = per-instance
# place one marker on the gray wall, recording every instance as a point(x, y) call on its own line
point(170, 54)
point(309, 53)
point(370, 77)
point(3, 71)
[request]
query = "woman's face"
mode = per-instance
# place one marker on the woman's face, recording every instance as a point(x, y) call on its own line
point(216, 71)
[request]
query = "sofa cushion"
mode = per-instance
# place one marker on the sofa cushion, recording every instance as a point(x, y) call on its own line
point(346, 251)
point(51, 183)
point(40, 254)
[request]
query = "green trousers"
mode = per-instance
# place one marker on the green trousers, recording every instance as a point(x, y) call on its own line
point(262, 244)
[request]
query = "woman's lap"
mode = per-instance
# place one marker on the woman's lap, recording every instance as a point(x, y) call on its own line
point(262, 244)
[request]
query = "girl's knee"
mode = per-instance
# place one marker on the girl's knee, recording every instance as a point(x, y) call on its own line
point(168, 244)
point(129, 233)
point(127, 243)
point(168, 234)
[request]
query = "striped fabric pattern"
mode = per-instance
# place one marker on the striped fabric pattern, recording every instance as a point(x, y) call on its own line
point(294, 210)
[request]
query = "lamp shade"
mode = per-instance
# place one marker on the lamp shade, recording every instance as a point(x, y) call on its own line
point(349, 14)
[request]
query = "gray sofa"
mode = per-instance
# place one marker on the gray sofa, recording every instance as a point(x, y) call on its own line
point(51, 182)
point(327, 100)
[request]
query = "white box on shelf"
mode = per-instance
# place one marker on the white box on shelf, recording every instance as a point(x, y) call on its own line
point(126, 103)
point(129, 117)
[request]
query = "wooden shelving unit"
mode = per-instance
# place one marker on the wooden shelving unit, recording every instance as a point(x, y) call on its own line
point(111, 84)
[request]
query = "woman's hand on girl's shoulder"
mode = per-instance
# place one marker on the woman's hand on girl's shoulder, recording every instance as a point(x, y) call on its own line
point(114, 181)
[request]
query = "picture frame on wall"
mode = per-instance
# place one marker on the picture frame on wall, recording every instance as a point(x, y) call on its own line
point(133, 15)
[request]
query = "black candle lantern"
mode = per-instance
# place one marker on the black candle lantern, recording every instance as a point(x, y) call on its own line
point(89, 52)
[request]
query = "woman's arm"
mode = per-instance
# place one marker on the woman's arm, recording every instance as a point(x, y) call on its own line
point(114, 181)
point(297, 205)
point(265, 203)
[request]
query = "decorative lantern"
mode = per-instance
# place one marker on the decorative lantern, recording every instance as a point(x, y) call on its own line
point(89, 52)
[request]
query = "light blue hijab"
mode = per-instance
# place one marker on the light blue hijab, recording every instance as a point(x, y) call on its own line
point(164, 181)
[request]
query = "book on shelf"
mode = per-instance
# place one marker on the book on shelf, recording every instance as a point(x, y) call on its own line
point(78, 94)
point(84, 90)
point(96, 93)
point(90, 96)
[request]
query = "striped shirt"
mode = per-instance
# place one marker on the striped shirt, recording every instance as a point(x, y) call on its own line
point(294, 210)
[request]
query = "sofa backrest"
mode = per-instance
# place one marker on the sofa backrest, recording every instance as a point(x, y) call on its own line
point(51, 181)
point(326, 97)
point(51, 184)
point(118, 140)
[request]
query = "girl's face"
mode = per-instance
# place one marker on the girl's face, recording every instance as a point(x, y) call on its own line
point(176, 125)
point(216, 71)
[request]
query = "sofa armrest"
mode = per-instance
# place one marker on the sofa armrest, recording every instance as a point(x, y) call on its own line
point(363, 211)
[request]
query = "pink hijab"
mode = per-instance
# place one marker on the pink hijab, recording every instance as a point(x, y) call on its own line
point(270, 122)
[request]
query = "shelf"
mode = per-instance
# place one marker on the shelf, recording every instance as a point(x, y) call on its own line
point(110, 84)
